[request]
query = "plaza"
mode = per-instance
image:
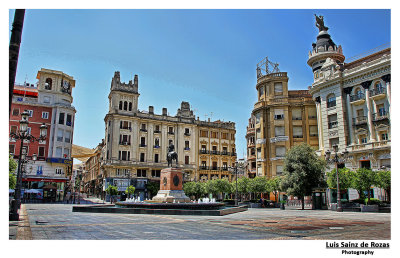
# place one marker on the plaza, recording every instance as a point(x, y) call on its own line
point(58, 222)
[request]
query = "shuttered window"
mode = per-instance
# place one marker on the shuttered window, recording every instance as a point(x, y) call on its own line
point(279, 130)
point(297, 132)
point(280, 151)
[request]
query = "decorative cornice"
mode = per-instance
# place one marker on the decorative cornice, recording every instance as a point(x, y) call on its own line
point(366, 84)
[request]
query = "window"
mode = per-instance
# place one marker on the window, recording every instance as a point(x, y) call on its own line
point(384, 137)
point(297, 132)
point(203, 164)
point(157, 142)
point(60, 133)
point(141, 157)
point(224, 136)
point(59, 171)
point(130, 106)
point(124, 155)
point(155, 173)
point(124, 139)
point(381, 109)
point(258, 133)
point(187, 132)
point(11, 148)
point(125, 105)
point(120, 105)
point(215, 165)
point(279, 170)
point(69, 120)
point(41, 152)
point(46, 99)
point(312, 113)
point(313, 130)
point(67, 137)
point(48, 84)
point(187, 160)
point(332, 121)
point(45, 115)
point(156, 158)
point(141, 173)
point(66, 153)
point(279, 130)
point(261, 91)
point(258, 153)
point(232, 136)
point(143, 128)
point(170, 130)
point(225, 165)
point(278, 87)
point(363, 139)
point(280, 151)
point(58, 152)
point(296, 114)
point(333, 142)
point(258, 118)
point(13, 129)
point(15, 112)
point(203, 133)
point(224, 150)
point(278, 114)
point(142, 141)
point(214, 134)
point(187, 145)
point(30, 113)
point(330, 101)
point(169, 142)
point(157, 129)
point(61, 118)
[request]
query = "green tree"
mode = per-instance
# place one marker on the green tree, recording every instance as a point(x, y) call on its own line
point(153, 188)
point(130, 190)
point(200, 189)
point(345, 179)
point(12, 165)
point(275, 186)
point(303, 171)
point(384, 182)
point(364, 179)
point(243, 185)
point(189, 188)
point(258, 185)
point(212, 187)
point(223, 186)
point(112, 190)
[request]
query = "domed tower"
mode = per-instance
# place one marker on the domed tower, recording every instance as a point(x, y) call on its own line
point(324, 50)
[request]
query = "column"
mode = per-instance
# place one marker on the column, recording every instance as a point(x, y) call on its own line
point(319, 122)
point(387, 80)
point(366, 85)
point(347, 91)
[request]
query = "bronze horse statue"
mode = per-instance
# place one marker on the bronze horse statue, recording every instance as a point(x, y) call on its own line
point(172, 155)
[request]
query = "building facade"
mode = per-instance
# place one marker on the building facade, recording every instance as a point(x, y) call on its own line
point(251, 168)
point(136, 142)
point(282, 119)
point(353, 103)
point(48, 102)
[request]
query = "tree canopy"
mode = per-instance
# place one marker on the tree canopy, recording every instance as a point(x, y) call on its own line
point(12, 165)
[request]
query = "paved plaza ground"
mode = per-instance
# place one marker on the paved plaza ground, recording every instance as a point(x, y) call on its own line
point(57, 221)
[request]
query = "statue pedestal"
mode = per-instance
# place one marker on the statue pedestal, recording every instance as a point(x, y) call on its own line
point(171, 187)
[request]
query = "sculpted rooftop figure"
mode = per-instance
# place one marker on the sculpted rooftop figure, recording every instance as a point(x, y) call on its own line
point(320, 23)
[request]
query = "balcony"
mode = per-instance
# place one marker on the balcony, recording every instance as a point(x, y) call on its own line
point(357, 99)
point(378, 93)
point(371, 145)
point(187, 134)
point(225, 153)
point(171, 133)
point(157, 131)
point(332, 125)
point(234, 154)
point(251, 157)
point(331, 104)
point(124, 143)
point(202, 151)
point(360, 120)
point(204, 168)
point(214, 152)
point(156, 146)
point(142, 145)
point(143, 129)
point(126, 128)
point(381, 115)
point(186, 148)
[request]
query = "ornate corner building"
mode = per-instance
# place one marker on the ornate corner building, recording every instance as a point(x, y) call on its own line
point(281, 119)
point(49, 102)
point(135, 145)
point(353, 102)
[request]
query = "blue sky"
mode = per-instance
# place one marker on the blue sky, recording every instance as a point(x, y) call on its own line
point(206, 57)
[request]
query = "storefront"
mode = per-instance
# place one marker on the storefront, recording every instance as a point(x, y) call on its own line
point(45, 189)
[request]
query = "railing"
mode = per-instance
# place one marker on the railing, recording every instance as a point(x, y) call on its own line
point(204, 152)
point(124, 143)
point(187, 134)
point(143, 130)
point(359, 120)
point(142, 145)
point(383, 114)
point(370, 145)
point(377, 91)
point(331, 104)
point(156, 146)
point(357, 97)
point(127, 128)
point(171, 133)
point(186, 148)
point(215, 152)
point(204, 168)
point(225, 153)
point(332, 125)
point(157, 131)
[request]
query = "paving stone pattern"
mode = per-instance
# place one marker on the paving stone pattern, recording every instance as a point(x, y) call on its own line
point(57, 221)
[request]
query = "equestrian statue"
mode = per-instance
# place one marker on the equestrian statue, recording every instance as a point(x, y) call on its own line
point(172, 155)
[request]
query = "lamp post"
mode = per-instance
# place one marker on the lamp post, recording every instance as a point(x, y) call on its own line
point(22, 135)
point(336, 159)
point(238, 166)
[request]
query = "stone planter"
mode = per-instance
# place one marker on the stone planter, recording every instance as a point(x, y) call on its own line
point(369, 208)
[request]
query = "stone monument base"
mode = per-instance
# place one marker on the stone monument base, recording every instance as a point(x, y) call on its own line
point(171, 187)
point(171, 196)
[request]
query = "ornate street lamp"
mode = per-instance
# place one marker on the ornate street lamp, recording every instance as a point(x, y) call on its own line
point(23, 135)
point(337, 158)
point(238, 166)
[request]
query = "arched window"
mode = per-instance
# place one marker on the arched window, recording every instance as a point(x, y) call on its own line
point(330, 100)
point(130, 106)
point(378, 87)
point(120, 105)
point(261, 91)
point(125, 105)
point(48, 84)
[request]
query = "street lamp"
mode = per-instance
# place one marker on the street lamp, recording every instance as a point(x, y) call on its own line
point(22, 135)
point(337, 159)
point(238, 166)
